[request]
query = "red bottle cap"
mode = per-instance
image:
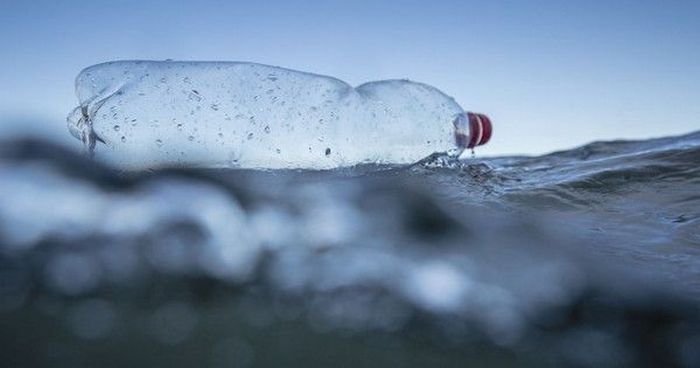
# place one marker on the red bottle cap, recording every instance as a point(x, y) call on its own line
point(480, 129)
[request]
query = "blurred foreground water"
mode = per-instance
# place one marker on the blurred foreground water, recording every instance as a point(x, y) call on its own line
point(588, 257)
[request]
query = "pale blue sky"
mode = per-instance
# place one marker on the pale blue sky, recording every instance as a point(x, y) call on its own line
point(551, 74)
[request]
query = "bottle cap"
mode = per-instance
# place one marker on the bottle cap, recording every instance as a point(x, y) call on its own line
point(472, 129)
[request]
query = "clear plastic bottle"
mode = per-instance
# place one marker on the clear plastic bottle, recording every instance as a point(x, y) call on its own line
point(141, 114)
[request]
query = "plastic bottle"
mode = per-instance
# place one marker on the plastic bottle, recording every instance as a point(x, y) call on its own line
point(143, 114)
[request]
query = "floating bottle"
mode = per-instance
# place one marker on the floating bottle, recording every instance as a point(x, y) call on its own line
point(145, 114)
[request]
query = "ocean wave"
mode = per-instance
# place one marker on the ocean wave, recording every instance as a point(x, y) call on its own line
point(566, 257)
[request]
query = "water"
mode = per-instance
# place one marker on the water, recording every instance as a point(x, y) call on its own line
point(585, 257)
point(144, 114)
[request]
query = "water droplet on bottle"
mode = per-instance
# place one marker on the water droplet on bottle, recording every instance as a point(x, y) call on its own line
point(179, 127)
point(328, 151)
point(159, 142)
point(267, 129)
point(194, 95)
point(190, 138)
point(116, 128)
point(250, 136)
point(123, 139)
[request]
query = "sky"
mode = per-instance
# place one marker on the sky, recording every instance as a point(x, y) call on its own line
point(551, 74)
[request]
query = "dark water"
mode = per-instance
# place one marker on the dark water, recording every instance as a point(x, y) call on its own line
point(586, 257)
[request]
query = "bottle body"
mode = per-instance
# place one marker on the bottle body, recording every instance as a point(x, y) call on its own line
point(139, 114)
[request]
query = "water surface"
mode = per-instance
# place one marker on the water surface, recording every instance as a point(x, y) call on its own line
point(585, 257)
